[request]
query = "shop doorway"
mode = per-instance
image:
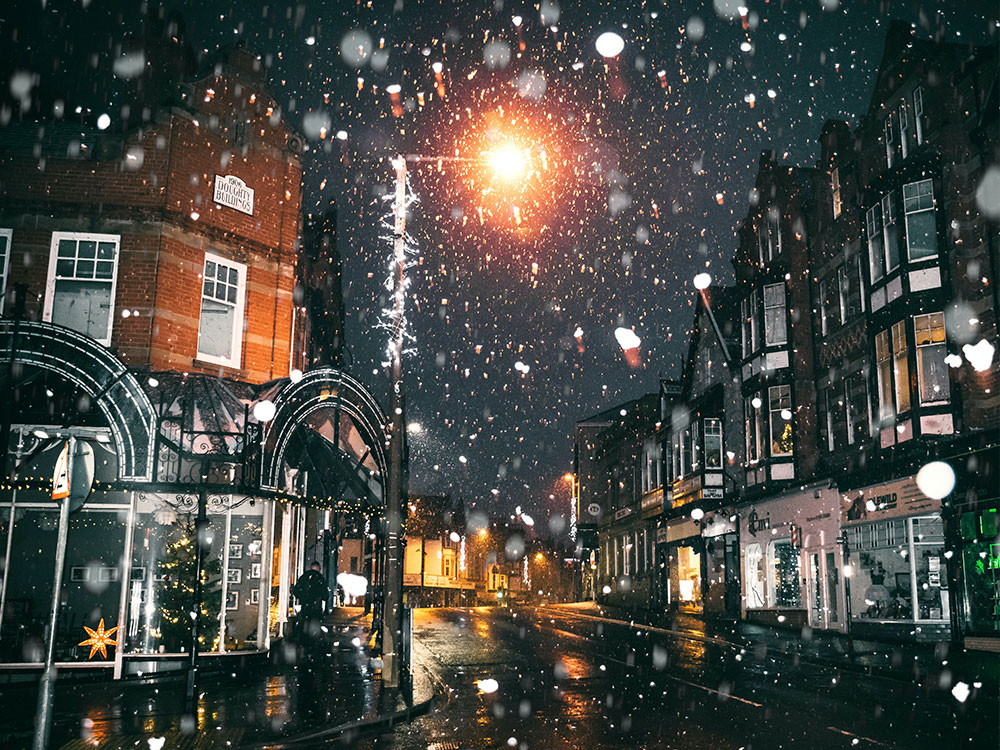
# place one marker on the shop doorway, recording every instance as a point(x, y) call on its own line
point(823, 583)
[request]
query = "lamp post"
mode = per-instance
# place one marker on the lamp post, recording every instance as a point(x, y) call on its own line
point(508, 163)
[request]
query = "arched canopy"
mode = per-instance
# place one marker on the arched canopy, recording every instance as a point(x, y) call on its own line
point(101, 375)
point(308, 426)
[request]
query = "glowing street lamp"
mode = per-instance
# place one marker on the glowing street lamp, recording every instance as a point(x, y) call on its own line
point(508, 163)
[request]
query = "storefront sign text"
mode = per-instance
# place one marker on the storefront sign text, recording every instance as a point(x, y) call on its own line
point(231, 191)
point(889, 500)
point(755, 523)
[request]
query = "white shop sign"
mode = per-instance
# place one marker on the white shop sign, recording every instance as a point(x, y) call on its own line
point(231, 191)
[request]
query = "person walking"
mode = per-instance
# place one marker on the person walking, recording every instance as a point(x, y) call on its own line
point(312, 592)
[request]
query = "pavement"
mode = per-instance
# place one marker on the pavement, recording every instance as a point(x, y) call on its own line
point(941, 664)
point(303, 697)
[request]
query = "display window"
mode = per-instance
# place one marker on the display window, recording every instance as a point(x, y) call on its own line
point(898, 570)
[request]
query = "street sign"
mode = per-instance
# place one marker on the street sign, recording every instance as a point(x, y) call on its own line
point(60, 477)
point(74, 479)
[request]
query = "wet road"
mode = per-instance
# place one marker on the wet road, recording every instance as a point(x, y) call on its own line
point(567, 682)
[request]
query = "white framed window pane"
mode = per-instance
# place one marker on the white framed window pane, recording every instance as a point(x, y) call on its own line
point(215, 331)
point(901, 366)
point(890, 212)
point(876, 246)
point(713, 444)
point(780, 402)
point(921, 227)
point(932, 372)
point(775, 331)
point(84, 306)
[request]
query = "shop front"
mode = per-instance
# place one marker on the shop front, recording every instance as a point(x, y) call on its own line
point(896, 544)
point(792, 561)
point(722, 563)
point(683, 552)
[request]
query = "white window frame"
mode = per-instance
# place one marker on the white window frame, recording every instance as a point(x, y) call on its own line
point(783, 306)
point(890, 140)
point(238, 323)
point(918, 321)
point(771, 409)
point(843, 290)
point(835, 188)
point(873, 225)
point(890, 222)
point(713, 428)
point(917, 201)
point(50, 280)
point(918, 113)
point(5, 267)
point(904, 130)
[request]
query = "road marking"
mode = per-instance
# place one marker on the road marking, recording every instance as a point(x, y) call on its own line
point(717, 692)
point(858, 736)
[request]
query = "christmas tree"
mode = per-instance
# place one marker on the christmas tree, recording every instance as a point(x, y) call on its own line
point(177, 591)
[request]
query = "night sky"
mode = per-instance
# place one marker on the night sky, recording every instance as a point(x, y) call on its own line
point(640, 171)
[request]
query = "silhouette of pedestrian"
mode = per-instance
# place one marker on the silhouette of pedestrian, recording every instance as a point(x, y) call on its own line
point(312, 592)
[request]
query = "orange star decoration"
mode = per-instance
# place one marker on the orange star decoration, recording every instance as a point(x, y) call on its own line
point(99, 640)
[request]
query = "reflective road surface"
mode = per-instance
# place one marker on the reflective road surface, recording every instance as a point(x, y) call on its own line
point(564, 681)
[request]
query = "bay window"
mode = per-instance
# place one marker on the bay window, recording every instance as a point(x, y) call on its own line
point(220, 331)
point(780, 407)
point(775, 329)
point(932, 372)
point(901, 366)
point(890, 229)
point(713, 443)
point(921, 227)
point(80, 291)
point(883, 361)
point(876, 242)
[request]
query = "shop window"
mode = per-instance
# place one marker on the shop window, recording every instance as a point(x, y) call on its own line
point(689, 574)
point(890, 230)
point(835, 188)
point(932, 372)
point(5, 237)
point(876, 242)
point(713, 444)
point(918, 114)
point(921, 226)
point(220, 331)
point(783, 564)
point(775, 329)
point(755, 576)
point(901, 367)
point(80, 292)
point(780, 405)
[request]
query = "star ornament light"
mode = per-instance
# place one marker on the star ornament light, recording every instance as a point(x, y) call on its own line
point(99, 640)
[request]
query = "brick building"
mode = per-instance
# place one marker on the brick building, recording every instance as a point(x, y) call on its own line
point(150, 268)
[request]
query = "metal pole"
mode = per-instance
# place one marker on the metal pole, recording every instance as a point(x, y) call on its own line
point(392, 613)
point(43, 715)
point(10, 526)
point(126, 584)
point(200, 530)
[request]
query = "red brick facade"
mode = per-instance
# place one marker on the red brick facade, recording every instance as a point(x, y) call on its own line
point(153, 187)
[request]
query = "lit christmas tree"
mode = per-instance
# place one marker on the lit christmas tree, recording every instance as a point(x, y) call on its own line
point(177, 591)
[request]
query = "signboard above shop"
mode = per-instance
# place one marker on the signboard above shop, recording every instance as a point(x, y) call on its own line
point(231, 191)
point(888, 500)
